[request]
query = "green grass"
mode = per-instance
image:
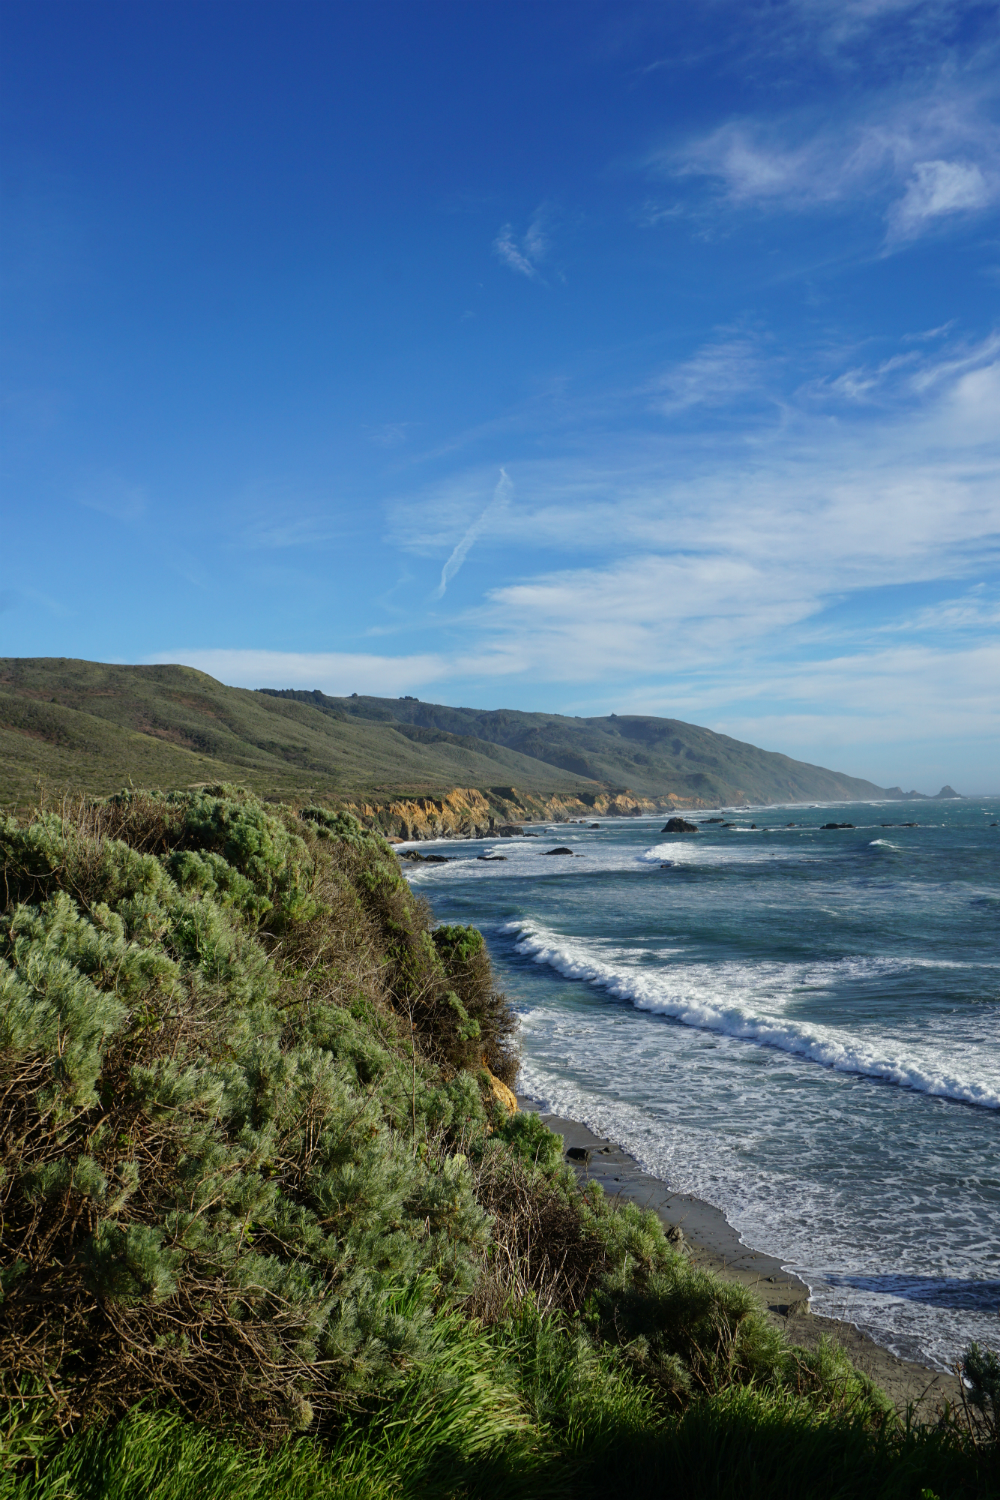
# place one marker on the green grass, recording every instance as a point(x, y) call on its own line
point(86, 726)
point(736, 1446)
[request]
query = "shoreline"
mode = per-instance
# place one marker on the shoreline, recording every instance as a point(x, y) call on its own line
point(712, 1244)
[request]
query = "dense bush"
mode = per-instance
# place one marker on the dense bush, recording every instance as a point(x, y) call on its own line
point(486, 1022)
point(247, 1172)
point(225, 1170)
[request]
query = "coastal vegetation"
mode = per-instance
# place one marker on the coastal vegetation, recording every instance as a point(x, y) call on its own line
point(270, 1227)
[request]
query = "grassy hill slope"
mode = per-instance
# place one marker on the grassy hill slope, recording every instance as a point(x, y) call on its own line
point(651, 756)
point(93, 727)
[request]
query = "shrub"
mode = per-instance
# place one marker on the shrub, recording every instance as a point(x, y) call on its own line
point(980, 1370)
point(221, 1165)
point(487, 1021)
point(247, 1172)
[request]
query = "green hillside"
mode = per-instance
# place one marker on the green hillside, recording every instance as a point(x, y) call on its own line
point(90, 726)
point(650, 756)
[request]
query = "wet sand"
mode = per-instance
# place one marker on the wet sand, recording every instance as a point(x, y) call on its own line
point(711, 1242)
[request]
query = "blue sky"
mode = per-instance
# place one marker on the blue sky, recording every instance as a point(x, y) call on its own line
point(585, 357)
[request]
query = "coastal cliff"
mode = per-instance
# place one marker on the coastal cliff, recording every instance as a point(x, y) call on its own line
point(466, 812)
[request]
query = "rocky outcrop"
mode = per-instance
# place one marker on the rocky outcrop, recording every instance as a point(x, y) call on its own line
point(501, 1093)
point(679, 825)
point(498, 812)
point(946, 794)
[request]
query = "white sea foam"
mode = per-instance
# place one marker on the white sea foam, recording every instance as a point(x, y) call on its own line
point(855, 1254)
point(728, 998)
point(531, 857)
point(691, 852)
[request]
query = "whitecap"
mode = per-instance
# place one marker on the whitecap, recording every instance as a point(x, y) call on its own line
point(713, 998)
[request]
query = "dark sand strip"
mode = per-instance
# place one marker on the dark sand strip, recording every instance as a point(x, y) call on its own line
point(712, 1243)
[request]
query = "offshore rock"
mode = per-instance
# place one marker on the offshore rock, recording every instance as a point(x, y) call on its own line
point(679, 825)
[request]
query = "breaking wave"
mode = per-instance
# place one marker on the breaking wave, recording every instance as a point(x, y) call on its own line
point(715, 998)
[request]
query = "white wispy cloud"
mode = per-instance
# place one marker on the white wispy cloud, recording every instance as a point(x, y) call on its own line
point(895, 465)
point(919, 716)
point(840, 29)
point(923, 158)
point(936, 188)
point(462, 548)
point(911, 373)
point(524, 255)
point(506, 247)
point(704, 575)
point(289, 532)
point(717, 373)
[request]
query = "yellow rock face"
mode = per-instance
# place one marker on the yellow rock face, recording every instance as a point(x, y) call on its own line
point(466, 812)
point(503, 1094)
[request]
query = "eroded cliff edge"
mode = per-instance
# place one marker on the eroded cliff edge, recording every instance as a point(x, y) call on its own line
point(466, 812)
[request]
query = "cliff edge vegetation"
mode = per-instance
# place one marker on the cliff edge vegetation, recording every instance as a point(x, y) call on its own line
point(270, 1226)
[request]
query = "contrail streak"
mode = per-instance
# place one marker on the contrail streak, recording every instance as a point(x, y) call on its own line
point(463, 548)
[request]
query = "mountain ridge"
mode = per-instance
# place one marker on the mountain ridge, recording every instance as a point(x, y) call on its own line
point(72, 725)
point(626, 749)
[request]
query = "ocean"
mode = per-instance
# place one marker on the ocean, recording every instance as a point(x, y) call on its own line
point(800, 1026)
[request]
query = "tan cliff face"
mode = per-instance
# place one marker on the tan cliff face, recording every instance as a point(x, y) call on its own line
point(466, 812)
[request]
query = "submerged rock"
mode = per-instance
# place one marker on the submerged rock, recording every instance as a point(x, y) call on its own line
point(838, 825)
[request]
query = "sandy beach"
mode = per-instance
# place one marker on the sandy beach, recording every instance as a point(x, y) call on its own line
point(711, 1242)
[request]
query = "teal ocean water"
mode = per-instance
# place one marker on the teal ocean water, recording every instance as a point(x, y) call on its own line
point(801, 1026)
